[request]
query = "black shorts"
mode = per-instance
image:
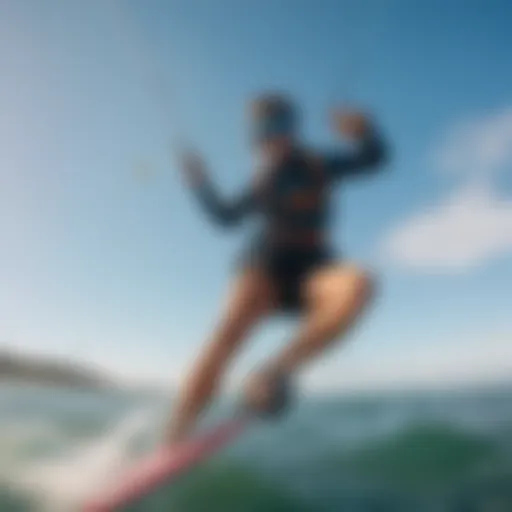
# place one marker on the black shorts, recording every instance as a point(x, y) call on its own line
point(288, 270)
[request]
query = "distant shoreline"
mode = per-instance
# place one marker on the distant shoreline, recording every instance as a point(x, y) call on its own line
point(25, 369)
point(20, 368)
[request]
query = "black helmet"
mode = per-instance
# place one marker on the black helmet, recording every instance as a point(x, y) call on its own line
point(273, 114)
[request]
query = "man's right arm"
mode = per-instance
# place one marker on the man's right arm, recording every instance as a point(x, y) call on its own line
point(224, 212)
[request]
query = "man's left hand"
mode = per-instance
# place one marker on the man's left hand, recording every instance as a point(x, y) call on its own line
point(351, 124)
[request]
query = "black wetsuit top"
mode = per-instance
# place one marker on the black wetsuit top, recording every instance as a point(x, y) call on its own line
point(292, 202)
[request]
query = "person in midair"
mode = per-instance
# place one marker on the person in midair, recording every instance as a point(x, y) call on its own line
point(290, 266)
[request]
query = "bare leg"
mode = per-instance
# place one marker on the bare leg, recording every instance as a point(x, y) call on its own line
point(250, 301)
point(335, 298)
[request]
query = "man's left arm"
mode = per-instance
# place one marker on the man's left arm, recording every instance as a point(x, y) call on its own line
point(369, 153)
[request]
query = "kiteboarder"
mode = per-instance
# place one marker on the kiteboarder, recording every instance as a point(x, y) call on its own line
point(290, 265)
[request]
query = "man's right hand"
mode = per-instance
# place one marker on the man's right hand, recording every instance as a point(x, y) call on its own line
point(193, 168)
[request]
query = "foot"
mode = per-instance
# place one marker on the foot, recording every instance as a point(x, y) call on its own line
point(267, 392)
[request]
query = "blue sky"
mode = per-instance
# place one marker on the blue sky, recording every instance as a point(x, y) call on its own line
point(99, 263)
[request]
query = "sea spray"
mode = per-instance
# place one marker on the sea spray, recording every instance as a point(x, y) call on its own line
point(61, 484)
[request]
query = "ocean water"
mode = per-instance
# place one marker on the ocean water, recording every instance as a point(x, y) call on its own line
point(403, 452)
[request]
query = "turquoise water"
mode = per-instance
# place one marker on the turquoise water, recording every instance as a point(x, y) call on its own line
point(432, 452)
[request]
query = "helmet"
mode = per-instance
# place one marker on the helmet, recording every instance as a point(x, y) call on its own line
point(273, 115)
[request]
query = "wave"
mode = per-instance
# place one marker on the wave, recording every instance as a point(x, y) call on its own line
point(304, 465)
point(227, 487)
point(425, 454)
point(60, 481)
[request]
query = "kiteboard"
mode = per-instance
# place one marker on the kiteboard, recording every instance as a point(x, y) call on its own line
point(164, 466)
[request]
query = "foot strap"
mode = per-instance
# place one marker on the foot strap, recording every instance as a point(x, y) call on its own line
point(280, 400)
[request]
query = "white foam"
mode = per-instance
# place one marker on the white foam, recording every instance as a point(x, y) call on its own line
point(62, 484)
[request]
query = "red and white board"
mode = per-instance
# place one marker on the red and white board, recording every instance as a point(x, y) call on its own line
point(163, 467)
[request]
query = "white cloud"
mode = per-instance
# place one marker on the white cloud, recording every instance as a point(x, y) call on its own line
point(479, 147)
point(469, 228)
point(473, 225)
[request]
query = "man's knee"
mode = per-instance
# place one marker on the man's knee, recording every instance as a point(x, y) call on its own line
point(354, 285)
point(366, 284)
